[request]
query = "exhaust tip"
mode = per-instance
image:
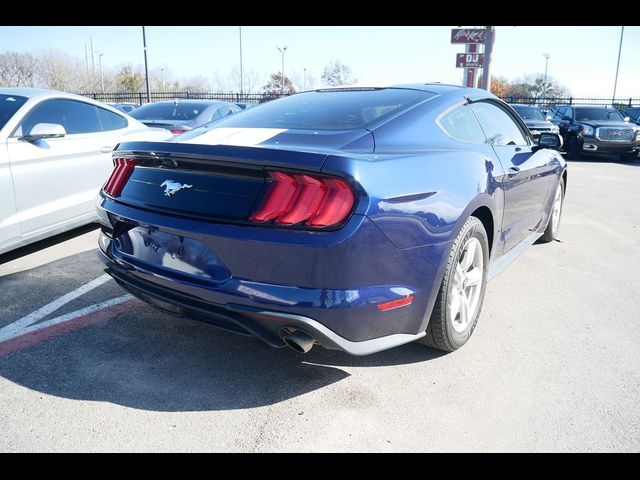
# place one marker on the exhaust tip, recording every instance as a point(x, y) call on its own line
point(298, 340)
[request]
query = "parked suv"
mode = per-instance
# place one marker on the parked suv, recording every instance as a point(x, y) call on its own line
point(535, 120)
point(596, 130)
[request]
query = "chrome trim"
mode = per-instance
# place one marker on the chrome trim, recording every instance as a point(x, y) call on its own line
point(621, 133)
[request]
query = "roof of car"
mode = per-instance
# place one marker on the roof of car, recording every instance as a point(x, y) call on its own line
point(36, 92)
point(191, 100)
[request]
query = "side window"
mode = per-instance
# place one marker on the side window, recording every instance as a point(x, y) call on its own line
point(559, 112)
point(111, 121)
point(498, 126)
point(74, 116)
point(220, 112)
point(462, 125)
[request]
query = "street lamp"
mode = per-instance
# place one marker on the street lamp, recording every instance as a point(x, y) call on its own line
point(100, 66)
point(305, 80)
point(544, 82)
point(162, 77)
point(282, 50)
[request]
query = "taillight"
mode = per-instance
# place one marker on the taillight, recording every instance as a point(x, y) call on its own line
point(177, 132)
point(119, 176)
point(294, 198)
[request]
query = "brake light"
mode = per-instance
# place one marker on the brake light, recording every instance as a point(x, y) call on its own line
point(177, 132)
point(294, 198)
point(121, 173)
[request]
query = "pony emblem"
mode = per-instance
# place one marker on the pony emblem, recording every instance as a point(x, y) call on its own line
point(172, 187)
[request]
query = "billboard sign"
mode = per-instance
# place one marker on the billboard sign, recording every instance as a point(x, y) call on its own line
point(467, 35)
point(469, 60)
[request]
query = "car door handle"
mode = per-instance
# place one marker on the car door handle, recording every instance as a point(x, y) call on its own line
point(513, 171)
point(106, 148)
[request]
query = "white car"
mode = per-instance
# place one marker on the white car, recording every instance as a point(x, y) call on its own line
point(55, 154)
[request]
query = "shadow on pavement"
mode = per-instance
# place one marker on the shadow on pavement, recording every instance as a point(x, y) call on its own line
point(47, 242)
point(605, 159)
point(147, 360)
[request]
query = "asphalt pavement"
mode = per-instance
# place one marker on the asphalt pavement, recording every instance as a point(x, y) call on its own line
point(553, 365)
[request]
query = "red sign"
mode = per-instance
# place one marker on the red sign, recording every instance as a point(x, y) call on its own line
point(469, 60)
point(471, 77)
point(467, 35)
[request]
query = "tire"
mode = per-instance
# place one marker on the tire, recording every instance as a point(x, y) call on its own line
point(628, 157)
point(572, 149)
point(551, 232)
point(447, 329)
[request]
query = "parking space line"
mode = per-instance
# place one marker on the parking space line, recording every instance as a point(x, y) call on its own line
point(67, 323)
point(19, 325)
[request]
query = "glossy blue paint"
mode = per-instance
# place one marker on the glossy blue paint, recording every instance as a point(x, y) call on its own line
point(415, 186)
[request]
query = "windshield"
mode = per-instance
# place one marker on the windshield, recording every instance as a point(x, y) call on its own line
point(529, 113)
point(595, 113)
point(328, 110)
point(169, 111)
point(9, 105)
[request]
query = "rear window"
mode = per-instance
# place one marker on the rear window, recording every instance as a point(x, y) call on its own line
point(328, 110)
point(9, 105)
point(584, 114)
point(169, 111)
point(529, 113)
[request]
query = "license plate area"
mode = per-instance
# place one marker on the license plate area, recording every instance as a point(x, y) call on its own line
point(169, 253)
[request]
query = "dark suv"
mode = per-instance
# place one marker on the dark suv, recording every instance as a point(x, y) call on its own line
point(595, 130)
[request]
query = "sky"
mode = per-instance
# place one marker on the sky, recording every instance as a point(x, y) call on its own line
point(581, 58)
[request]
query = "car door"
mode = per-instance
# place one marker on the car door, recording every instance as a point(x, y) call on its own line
point(56, 179)
point(565, 121)
point(528, 174)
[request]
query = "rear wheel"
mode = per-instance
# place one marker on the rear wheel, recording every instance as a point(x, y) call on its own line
point(628, 157)
point(551, 232)
point(461, 293)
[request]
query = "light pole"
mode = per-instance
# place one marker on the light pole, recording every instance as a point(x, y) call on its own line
point(162, 77)
point(615, 84)
point(282, 51)
point(100, 66)
point(305, 80)
point(544, 82)
point(241, 83)
point(146, 67)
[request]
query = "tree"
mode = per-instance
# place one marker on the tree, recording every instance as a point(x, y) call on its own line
point(532, 86)
point(336, 73)
point(273, 88)
point(499, 86)
point(130, 80)
point(17, 69)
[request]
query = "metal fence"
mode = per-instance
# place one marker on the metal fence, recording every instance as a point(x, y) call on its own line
point(548, 103)
point(141, 97)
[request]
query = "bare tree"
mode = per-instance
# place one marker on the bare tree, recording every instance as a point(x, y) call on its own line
point(230, 82)
point(60, 71)
point(298, 80)
point(17, 69)
point(336, 73)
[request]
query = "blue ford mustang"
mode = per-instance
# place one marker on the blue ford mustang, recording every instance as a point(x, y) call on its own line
point(354, 218)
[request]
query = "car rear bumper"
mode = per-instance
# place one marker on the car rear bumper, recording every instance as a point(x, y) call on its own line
point(263, 323)
point(329, 288)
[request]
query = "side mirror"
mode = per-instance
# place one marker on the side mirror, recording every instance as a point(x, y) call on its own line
point(626, 119)
point(548, 117)
point(549, 140)
point(44, 130)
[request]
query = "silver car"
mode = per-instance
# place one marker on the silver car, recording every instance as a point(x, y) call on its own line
point(55, 154)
